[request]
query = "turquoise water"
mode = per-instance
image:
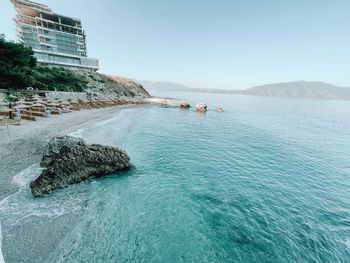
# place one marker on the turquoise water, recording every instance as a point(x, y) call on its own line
point(267, 180)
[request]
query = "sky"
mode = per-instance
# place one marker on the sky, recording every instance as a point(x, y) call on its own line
point(226, 44)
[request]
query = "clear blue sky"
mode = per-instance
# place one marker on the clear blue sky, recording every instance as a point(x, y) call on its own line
point(229, 44)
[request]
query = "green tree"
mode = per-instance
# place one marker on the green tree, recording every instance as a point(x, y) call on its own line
point(17, 63)
point(18, 70)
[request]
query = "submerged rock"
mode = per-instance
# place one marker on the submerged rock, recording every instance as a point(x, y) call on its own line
point(184, 104)
point(201, 106)
point(69, 160)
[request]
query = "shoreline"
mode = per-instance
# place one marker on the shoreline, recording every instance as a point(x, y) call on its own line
point(22, 146)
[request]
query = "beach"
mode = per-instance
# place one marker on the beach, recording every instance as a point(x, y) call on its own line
point(22, 146)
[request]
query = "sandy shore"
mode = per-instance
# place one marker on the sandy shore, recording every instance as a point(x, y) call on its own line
point(22, 146)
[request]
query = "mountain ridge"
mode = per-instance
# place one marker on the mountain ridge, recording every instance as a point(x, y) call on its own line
point(294, 89)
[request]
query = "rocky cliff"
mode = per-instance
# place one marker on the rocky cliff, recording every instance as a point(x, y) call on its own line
point(100, 84)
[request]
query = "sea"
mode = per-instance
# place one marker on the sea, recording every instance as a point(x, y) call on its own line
point(266, 180)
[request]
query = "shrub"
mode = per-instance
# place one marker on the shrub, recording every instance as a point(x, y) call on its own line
point(61, 79)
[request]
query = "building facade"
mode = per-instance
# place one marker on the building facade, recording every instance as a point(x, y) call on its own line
point(56, 40)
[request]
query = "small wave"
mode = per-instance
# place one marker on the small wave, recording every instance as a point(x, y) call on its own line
point(26, 176)
point(347, 243)
point(21, 205)
point(1, 257)
point(111, 131)
point(122, 114)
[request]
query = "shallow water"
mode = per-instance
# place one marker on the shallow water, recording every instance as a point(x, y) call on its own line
point(267, 180)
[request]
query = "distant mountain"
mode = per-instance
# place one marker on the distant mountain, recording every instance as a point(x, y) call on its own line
point(164, 86)
point(170, 86)
point(300, 89)
point(296, 89)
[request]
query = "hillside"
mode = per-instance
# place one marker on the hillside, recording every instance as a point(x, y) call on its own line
point(171, 86)
point(301, 90)
point(296, 89)
point(19, 70)
point(164, 86)
point(114, 85)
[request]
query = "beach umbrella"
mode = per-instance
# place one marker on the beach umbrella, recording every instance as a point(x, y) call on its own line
point(20, 101)
point(22, 106)
point(54, 104)
point(38, 105)
point(39, 101)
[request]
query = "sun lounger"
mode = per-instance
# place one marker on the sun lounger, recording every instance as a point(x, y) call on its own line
point(75, 108)
point(55, 112)
point(39, 114)
point(29, 118)
point(25, 112)
point(34, 109)
point(7, 114)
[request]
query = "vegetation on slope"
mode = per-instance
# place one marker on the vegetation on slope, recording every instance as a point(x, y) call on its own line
point(16, 65)
point(19, 70)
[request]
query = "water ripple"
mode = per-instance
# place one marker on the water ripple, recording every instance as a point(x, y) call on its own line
point(265, 181)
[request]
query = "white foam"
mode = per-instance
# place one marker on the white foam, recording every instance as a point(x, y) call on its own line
point(111, 131)
point(1, 257)
point(347, 243)
point(26, 176)
point(21, 205)
point(79, 132)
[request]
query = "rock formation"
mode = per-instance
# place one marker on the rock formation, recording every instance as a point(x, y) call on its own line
point(184, 104)
point(201, 106)
point(69, 160)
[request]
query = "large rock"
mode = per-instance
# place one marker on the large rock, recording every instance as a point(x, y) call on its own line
point(69, 160)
